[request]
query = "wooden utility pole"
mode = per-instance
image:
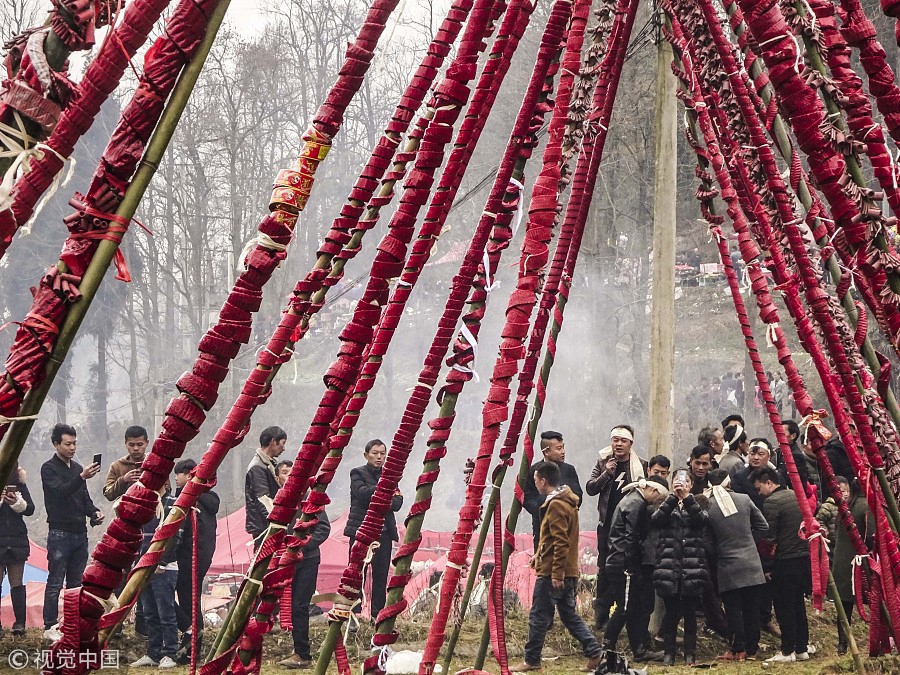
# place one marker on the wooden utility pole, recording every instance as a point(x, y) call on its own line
point(662, 314)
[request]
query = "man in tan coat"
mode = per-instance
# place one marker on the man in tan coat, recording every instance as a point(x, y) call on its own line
point(127, 470)
point(556, 564)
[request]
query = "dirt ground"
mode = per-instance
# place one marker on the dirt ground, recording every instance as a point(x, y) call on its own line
point(561, 654)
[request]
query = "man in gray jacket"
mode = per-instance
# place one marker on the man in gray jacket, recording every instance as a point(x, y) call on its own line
point(736, 524)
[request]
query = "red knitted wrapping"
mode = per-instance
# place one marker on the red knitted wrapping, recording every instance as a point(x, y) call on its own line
point(102, 76)
point(257, 387)
point(521, 304)
point(451, 94)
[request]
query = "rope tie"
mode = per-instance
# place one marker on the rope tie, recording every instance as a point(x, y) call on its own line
point(18, 145)
point(55, 184)
point(21, 418)
point(384, 651)
point(772, 333)
point(261, 239)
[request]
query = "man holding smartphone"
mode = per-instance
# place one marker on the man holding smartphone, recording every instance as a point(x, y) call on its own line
point(124, 472)
point(68, 504)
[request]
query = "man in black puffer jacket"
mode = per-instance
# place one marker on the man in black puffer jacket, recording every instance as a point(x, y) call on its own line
point(261, 483)
point(363, 480)
point(630, 589)
point(681, 575)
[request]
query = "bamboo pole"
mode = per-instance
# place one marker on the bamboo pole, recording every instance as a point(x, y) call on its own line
point(662, 306)
point(845, 624)
point(106, 249)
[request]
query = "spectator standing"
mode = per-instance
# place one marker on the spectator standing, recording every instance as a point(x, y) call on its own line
point(736, 524)
point(124, 472)
point(68, 503)
point(14, 544)
point(282, 471)
point(791, 577)
point(680, 574)
point(735, 449)
point(659, 465)
point(554, 450)
point(699, 464)
point(556, 564)
point(630, 589)
point(261, 483)
point(302, 590)
point(844, 553)
point(758, 456)
point(713, 439)
point(206, 510)
point(617, 466)
point(363, 480)
point(158, 596)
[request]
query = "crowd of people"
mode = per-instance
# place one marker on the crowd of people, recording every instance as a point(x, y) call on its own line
point(716, 537)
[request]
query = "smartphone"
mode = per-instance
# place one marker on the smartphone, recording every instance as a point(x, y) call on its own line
point(681, 476)
point(97, 457)
point(12, 488)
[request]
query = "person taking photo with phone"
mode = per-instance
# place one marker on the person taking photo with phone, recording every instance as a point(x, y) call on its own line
point(68, 503)
point(124, 472)
point(14, 545)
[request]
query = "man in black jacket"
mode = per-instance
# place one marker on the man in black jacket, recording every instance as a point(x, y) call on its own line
point(261, 483)
point(206, 510)
point(630, 587)
point(791, 576)
point(554, 449)
point(68, 503)
point(303, 587)
point(363, 480)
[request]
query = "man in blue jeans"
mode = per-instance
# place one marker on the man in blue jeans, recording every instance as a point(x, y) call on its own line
point(158, 597)
point(556, 564)
point(68, 503)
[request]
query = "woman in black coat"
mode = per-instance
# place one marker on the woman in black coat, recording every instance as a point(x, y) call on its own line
point(681, 573)
point(14, 545)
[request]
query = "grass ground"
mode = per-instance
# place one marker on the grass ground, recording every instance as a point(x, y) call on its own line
point(561, 653)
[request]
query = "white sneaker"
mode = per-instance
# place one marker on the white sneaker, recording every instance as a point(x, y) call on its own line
point(144, 662)
point(802, 656)
point(167, 662)
point(782, 658)
point(810, 649)
point(53, 634)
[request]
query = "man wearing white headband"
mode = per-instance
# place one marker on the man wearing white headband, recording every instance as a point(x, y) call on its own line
point(553, 448)
point(735, 449)
point(617, 466)
point(736, 523)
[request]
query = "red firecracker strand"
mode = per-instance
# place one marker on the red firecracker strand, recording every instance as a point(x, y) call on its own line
point(509, 34)
point(773, 178)
point(186, 413)
point(257, 388)
point(706, 193)
point(451, 95)
point(543, 212)
point(101, 78)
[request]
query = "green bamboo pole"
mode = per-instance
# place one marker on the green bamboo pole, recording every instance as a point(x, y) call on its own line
point(782, 139)
point(845, 624)
point(106, 249)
